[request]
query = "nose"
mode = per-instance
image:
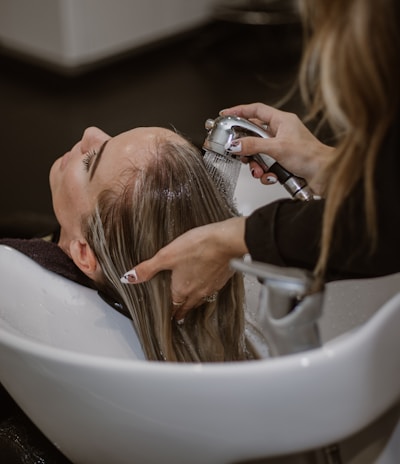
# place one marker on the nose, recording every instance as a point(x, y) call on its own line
point(93, 138)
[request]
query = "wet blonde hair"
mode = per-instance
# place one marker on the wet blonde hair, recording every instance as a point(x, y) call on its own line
point(151, 207)
point(350, 76)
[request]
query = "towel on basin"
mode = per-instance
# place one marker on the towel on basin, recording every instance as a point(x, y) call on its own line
point(50, 256)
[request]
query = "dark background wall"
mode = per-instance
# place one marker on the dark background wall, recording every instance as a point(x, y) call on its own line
point(179, 83)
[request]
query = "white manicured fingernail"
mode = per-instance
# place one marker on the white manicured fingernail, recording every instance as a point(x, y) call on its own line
point(234, 147)
point(129, 277)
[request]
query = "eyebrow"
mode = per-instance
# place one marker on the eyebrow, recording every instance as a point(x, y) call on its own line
point(97, 160)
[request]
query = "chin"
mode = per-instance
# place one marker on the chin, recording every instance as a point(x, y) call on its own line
point(53, 175)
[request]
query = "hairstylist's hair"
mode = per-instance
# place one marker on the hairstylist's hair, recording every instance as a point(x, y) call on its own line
point(171, 194)
point(350, 74)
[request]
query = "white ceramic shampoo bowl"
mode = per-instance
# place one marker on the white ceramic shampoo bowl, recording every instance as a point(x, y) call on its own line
point(76, 368)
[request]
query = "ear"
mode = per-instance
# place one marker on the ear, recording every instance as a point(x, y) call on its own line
point(82, 255)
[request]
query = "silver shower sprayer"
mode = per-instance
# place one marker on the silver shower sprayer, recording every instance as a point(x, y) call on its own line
point(224, 129)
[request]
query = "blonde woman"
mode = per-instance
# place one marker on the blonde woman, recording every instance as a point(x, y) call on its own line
point(350, 77)
point(118, 200)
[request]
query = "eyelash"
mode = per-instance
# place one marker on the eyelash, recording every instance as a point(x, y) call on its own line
point(88, 158)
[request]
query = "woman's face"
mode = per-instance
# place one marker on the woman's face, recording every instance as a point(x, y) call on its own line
point(94, 164)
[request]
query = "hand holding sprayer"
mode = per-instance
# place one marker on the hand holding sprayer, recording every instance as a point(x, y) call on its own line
point(223, 130)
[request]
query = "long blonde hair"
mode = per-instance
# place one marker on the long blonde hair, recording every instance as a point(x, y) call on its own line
point(171, 194)
point(350, 76)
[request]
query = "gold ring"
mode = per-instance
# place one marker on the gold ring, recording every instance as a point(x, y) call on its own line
point(211, 298)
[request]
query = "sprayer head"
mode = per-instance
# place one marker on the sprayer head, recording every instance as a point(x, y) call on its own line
point(219, 136)
point(224, 168)
point(221, 131)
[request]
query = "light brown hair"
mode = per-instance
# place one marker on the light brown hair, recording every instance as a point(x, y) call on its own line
point(350, 76)
point(151, 207)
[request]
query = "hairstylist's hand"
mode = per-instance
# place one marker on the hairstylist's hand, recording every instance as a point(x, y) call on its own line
point(199, 261)
point(291, 143)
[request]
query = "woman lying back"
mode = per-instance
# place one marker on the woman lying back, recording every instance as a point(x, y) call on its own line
point(118, 201)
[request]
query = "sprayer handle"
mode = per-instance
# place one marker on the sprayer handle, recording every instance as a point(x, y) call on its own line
point(296, 186)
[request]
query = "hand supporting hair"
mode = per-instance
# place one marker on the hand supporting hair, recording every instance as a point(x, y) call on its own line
point(199, 261)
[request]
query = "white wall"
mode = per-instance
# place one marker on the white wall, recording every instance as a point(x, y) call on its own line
point(71, 33)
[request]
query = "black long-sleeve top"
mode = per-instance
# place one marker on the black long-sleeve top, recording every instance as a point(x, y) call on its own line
point(288, 232)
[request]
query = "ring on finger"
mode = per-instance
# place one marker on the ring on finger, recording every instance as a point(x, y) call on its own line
point(210, 298)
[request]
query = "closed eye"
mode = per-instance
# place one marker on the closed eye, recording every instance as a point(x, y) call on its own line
point(88, 158)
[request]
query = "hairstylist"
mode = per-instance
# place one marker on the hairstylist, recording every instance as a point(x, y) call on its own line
point(350, 76)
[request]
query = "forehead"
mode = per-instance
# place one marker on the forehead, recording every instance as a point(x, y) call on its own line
point(134, 148)
point(139, 144)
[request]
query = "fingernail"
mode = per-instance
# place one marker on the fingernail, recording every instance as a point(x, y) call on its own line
point(234, 147)
point(271, 180)
point(252, 171)
point(129, 277)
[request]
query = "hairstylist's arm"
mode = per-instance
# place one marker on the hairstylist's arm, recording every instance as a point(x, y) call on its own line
point(291, 143)
point(199, 261)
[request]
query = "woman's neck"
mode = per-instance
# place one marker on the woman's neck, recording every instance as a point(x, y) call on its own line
point(64, 241)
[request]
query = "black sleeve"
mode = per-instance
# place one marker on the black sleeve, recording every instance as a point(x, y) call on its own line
point(285, 233)
point(288, 232)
